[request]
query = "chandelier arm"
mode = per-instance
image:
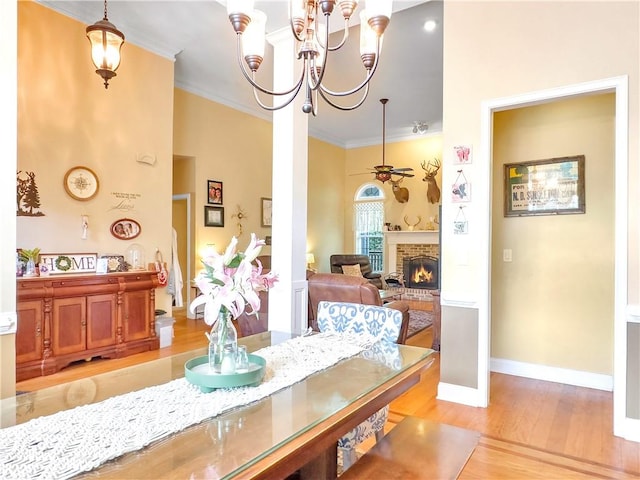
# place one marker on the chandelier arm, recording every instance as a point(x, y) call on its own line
point(293, 25)
point(272, 108)
point(343, 108)
point(314, 103)
point(249, 76)
point(365, 82)
point(345, 35)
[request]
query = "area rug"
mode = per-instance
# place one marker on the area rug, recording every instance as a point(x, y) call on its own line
point(418, 321)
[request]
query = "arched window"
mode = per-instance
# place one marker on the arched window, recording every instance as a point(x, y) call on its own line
point(368, 220)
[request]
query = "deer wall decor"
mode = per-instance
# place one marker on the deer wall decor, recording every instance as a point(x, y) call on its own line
point(401, 193)
point(431, 169)
point(412, 226)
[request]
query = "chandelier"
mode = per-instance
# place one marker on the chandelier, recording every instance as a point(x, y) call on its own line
point(106, 41)
point(312, 41)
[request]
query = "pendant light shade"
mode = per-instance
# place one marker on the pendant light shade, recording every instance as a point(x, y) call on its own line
point(106, 41)
point(310, 27)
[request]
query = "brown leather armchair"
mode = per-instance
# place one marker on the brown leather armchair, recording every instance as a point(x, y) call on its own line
point(335, 287)
point(338, 260)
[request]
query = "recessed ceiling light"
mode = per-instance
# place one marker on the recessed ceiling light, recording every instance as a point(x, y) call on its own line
point(430, 25)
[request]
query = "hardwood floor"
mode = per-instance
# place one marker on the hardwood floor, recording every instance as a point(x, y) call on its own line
point(531, 430)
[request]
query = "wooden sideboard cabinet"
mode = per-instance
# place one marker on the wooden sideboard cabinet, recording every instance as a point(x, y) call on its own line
point(65, 318)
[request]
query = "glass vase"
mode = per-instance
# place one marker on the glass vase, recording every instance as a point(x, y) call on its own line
point(30, 271)
point(223, 342)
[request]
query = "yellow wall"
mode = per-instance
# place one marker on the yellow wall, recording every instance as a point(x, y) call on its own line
point(67, 118)
point(236, 149)
point(522, 47)
point(325, 212)
point(410, 153)
point(553, 304)
point(494, 50)
point(233, 148)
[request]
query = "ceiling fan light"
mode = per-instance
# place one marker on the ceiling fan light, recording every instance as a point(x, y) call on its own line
point(383, 176)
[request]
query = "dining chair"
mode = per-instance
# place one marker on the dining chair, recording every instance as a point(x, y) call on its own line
point(381, 323)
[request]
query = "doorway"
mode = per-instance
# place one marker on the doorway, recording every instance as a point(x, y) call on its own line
point(619, 87)
point(181, 213)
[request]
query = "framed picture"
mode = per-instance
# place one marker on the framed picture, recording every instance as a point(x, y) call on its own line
point(462, 155)
point(125, 229)
point(213, 216)
point(461, 189)
point(265, 209)
point(214, 192)
point(544, 187)
point(114, 263)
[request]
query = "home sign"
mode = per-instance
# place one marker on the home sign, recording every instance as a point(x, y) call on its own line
point(59, 263)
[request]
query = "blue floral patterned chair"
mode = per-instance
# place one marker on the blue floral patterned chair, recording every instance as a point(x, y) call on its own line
point(381, 323)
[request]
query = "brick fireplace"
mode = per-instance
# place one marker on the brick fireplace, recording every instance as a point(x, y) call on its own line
point(406, 244)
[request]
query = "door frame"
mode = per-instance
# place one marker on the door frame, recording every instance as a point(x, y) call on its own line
point(187, 282)
point(622, 426)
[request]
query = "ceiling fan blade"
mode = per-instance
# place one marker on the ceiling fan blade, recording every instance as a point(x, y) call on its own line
point(402, 174)
point(404, 169)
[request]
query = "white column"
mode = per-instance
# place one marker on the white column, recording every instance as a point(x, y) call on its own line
point(288, 299)
point(8, 166)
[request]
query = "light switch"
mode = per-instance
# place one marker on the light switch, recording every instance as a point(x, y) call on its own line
point(507, 255)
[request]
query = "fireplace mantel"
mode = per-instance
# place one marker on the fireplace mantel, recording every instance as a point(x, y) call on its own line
point(407, 237)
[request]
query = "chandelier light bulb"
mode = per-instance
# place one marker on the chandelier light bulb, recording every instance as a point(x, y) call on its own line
point(309, 21)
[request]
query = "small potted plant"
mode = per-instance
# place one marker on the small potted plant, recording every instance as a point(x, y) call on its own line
point(30, 257)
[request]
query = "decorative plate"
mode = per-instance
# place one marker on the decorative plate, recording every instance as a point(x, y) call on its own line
point(197, 372)
point(81, 183)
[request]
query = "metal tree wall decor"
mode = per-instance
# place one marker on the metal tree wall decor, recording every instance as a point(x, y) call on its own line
point(27, 196)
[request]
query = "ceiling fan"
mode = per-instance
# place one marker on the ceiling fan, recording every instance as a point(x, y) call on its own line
point(383, 172)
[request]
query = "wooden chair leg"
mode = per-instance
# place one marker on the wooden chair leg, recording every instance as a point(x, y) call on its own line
point(379, 434)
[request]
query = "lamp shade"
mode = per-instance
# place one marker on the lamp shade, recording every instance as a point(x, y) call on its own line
point(368, 37)
point(254, 36)
point(106, 41)
point(310, 259)
point(240, 6)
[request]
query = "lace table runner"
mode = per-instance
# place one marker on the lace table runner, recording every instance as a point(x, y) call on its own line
point(74, 441)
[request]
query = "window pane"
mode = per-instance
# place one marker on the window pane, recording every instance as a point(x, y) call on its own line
point(368, 221)
point(369, 192)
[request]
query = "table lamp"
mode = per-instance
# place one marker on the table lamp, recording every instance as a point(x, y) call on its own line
point(310, 261)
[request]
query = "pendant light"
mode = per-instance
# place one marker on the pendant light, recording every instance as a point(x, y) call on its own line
point(106, 41)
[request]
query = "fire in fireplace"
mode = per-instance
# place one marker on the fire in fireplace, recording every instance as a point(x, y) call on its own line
point(421, 272)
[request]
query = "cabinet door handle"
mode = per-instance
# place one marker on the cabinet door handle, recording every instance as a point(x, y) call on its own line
point(84, 323)
point(38, 332)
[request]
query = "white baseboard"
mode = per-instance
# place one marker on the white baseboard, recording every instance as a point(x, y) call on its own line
point(457, 394)
point(629, 430)
point(553, 374)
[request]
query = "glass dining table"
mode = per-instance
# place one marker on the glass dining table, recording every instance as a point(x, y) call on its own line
point(292, 430)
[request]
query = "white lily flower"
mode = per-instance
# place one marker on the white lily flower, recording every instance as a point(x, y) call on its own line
point(231, 281)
